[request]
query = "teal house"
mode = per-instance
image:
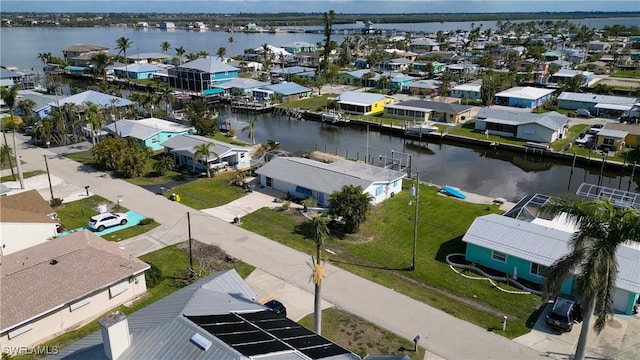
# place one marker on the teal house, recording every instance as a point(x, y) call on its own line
point(398, 80)
point(201, 74)
point(524, 246)
point(151, 132)
point(137, 71)
point(359, 78)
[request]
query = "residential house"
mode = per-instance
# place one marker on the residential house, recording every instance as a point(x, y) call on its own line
point(149, 58)
point(466, 91)
point(81, 54)
point(424, 44)
point(397, 53)
point(598, 46)
point(564, 75)
point(40, 100)
point(398, 80)
point(462, 68)
point(285, 73)
point(137, 71)
point(80, 99)
point(58, 285)
point(540, 128)
point(8, 78)
point(358, 78)
point(524, 97)
point(194, 323)
point(25, 210)
point(633, 133)
point(239, 87)
point(447, 57)
point(598, 105)
point(300, 46)
point(243, 65)
point(283, 92)
point(221, 155)
point(609, 139)
point(361, 103)
point(307, 58)
point(150, 132)
point(304, 178)
point(421, 110)
point(423, 67)
point(201, 74)
point(524, 245)
point(397, 64)
point(597, 67)
point(422, 87)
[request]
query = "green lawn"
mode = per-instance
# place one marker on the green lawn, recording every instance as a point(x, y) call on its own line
point(634, 74)
point(85, 158)
point(361, 336)
point(173, 261)
point(208, 192)
point(382, 251)
point(571, 135)
point(467, 130)
point(25, 175)
point(151, 177)
point(313, 103)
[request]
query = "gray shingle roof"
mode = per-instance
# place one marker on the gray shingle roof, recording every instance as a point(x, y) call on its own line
point(551, 120)
point(326, 178)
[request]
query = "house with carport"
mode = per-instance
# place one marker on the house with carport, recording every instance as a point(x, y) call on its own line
point(422, 110)
point(524, 97)
point(221, 155)
point(150, 132)
point(25, 210)
point(540, 128)
point(62, 284)
point(306, 178)
point(523, 244)
point(599, 105)
point(362, 103)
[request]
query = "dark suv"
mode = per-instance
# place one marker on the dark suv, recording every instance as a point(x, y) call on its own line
point(563, 314)
point(277, 307)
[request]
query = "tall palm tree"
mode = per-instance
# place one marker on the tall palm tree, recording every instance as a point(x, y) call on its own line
point(122, 44)
point(180, 52)
point(320, 231)
point(44, 57)
point(202, 151)
point(165, 46)
point(251, 129)
point(231, 40)
point(203, 54)
point(221, 53)
point(10, 95)
point(101, 61)
point(602, 228)
point(95, 118)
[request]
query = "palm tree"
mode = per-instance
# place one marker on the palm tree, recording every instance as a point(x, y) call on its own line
point(95, 118)
point(352, 204)
point(319, 232)
point(165, 163)
point(180, 52)
point(203, 54)
point(231, 40)
point(101, 61)
point(9, 95)
point(122, 44)
point(200, 151)
point(192, 56)
point(221, 53)
point(602, 228)
point(165, 46)
point(25, 108)
point(44, 57)
point(251, 129)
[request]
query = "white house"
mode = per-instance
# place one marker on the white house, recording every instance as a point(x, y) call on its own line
point(61, 284)
point(304, 178)
point(221, 154)
point(540, 128)
point(20, 211)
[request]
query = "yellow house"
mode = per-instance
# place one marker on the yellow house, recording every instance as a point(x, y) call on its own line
point(633, 133)
point(362, 103)
point(611, 139)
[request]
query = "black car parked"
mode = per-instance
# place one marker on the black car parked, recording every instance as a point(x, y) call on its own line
point(277, 307)
point(563, 314)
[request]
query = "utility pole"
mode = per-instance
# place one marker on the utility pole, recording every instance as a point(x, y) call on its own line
point(46, 164)
point(415, 223)
point(190, 247)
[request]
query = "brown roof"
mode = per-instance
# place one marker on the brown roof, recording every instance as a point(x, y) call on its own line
point(631, 129)
point(31, 286)
point(85, 48)
point(25, 207)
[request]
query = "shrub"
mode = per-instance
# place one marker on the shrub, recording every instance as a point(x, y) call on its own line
point(154, 276)
point(55, 202)
point(146, 221)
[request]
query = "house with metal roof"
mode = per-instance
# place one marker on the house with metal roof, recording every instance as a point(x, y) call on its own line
point(149, 57)
point(633, 133)
point(221, 155)
point(362, 77)
point(240, 86)
point(600, 105)
point(57, 285)
point(362, 103)
point(609, 139)
point(397, 80)
point(283, 92)
point(466, 91)
point(19, 210)
point(150, 132)
point(304, 178)
point(564, 75)
point(540, 128)
point(524, 97)
point(424, 44)
point(397, 64)
point(524, 245)
point(79, 100)
point(299, 46)
point(215, 318)
point(201, 74)
point(422, 87)
point(422, 110)
point(40, 100)
point(424, 67)
point(137, 71)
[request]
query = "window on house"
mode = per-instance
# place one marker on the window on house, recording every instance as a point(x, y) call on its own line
point(608, 142)
point(379, 190)
point(269, 181)
point(242, 155)
point(537, 269)
point(499, 256)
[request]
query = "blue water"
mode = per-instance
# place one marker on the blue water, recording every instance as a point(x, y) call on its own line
point(134, 220)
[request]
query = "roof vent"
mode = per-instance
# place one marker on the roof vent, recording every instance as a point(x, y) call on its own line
point(200, 341)
point(53, 262)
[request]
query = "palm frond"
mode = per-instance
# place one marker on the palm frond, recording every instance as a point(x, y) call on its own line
point(559, 272)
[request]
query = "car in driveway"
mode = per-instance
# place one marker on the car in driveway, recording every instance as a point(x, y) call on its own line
point(277, 307)
point(105, 220)
point(563, 314)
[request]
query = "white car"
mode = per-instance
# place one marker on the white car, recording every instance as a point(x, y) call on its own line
point(105, 220)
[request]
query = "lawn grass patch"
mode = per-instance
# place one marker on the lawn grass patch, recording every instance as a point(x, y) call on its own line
point(76, 214)
point(85, 158)
point(570, 136)
point(630, 74)
point(25, 175)
point(467, 129)
point(130, 231)
point(173, 262)
point(313, 103)
point(361, 336)
point(151, 177)
point(382, 251)
point(208, 192)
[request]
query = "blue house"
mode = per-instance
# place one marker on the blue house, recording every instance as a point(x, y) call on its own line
point(137, 71)
point(201, 74)
point(398, 80)
point(524, 246)
point(524, 97)
point(300, 46)
point(284, 92)
point(149, 132)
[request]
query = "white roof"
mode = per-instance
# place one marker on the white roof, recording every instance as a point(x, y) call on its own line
point(467, 87)
point(274, 50)
point(620, 107)
point(620, 134)
point(596, 99)
point(525, 92)
point(145, 128)
point(359, 98)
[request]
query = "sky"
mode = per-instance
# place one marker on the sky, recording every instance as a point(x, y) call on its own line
point(307, 6)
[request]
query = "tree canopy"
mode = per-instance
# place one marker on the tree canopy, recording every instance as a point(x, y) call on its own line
point(351, 204)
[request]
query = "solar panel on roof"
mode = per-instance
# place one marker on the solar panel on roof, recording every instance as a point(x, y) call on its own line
point(213, 319)
point(291, 332)
point(247, 337)
point(323, 352)
point(308, 342)
point(262, 348)
point(228, 328)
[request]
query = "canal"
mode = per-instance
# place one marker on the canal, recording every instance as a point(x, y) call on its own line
point(474, 169)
